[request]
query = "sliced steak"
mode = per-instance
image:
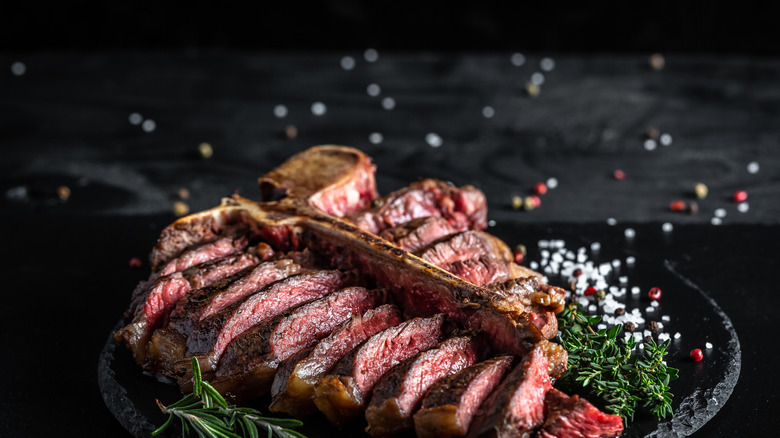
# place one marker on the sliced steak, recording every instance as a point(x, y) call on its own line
point(398, 393)
point(336, 180)
point(293, 387)
point(248, 365)
point(342, 395)
point(463, 207)
point(216, 332)
point(202, 303)
point(466, 245)
point(450, 405)
point(516, 407)
point(530, 294)
point(208, 251)
point(210, 272)
point(575, 417)
point(480, 271)
point(418, 233)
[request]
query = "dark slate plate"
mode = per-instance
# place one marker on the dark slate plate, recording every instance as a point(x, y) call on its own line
point(702, 389)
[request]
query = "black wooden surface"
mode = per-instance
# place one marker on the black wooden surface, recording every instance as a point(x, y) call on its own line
point(64, 122)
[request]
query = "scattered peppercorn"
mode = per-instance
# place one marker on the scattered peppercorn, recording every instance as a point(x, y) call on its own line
point(180, 208)
point(531, 202)
point(654, 294)
point(701, 190)
point(629, 327)
point(376, 203)
point(653, 133)
point(135, 262)
point(677, 205)
point(183, 194)
point(518, 257)
point(693, 208)
point(517, 202)
point(740, 196)
point(620, 311)
point(532, 89)
point(540, 188)
point(63, 192)
point(600, 295)
point(647, 339)
point(291, 132)
point(696, 355)
point(657, 61)
point(205, 150)
point(652, 326)
point(590, 290)
point(577, 272)
point(619, 175)
point(521, 249)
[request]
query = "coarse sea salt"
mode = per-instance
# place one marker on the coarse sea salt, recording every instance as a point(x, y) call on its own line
point(708, 345)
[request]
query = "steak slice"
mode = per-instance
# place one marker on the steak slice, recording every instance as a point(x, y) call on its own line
point(202, 303)
point(480, 271)
point(214, 333)
point(208, 251)
point(464, 207)
point(335, 179)
point(293, 386)
point(450, 405)
point(210, 272)
point(248, 365)
point(516, 407)
point(418, 233)
point(342, 395)
point(398, 393)
point(575, 417)
point(466, 245)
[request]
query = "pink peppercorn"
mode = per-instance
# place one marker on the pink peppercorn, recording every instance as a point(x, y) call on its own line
point(654, 294)
point(540, 188)
point(740, 196)
point(696, 355)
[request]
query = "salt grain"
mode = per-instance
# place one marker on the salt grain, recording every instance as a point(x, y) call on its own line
point(595, 246)
point(491, 223)
point(752, 167)
point(280, 111)
point(371, 55)
point(537, 79)
point(375, 138)
point(148, 125)
point(720, 212)
point(667, 227)
point(635, 290)
point(666, 318)
point(708, 345)
point(716, 221)
point(611, 221)
point(623, 280)
point(547, 64)
point(630, 260)
point(318, 108)
point(650, 144)
point(517, 59)
point(677, 335)
point(135, 119)
point(18, 68)
point(629, 233)
point(347, 63)
point(552, 183)
point(534, 265)
point(388, 103)
point(373, 90)
point(433, 139)
point(743, 207)
point(665, 139)
point(488, 112)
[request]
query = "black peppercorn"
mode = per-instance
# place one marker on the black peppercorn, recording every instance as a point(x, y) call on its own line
point(652, 326)
point(620, 311)
point(629, 327)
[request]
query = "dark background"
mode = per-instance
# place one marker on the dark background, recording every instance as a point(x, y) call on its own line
point(611, 26)
point(208, 72)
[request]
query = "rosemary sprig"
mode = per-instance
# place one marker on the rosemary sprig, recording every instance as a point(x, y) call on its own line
point(605, 365)
point(209, 415)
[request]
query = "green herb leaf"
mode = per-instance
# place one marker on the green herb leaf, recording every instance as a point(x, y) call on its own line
point(208, 414)
point(605, 365)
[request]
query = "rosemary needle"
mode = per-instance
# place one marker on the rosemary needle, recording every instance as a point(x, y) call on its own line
point(206, 413)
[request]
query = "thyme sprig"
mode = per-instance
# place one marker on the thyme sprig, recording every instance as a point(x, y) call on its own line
point(604, 364)
point(209, 415)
